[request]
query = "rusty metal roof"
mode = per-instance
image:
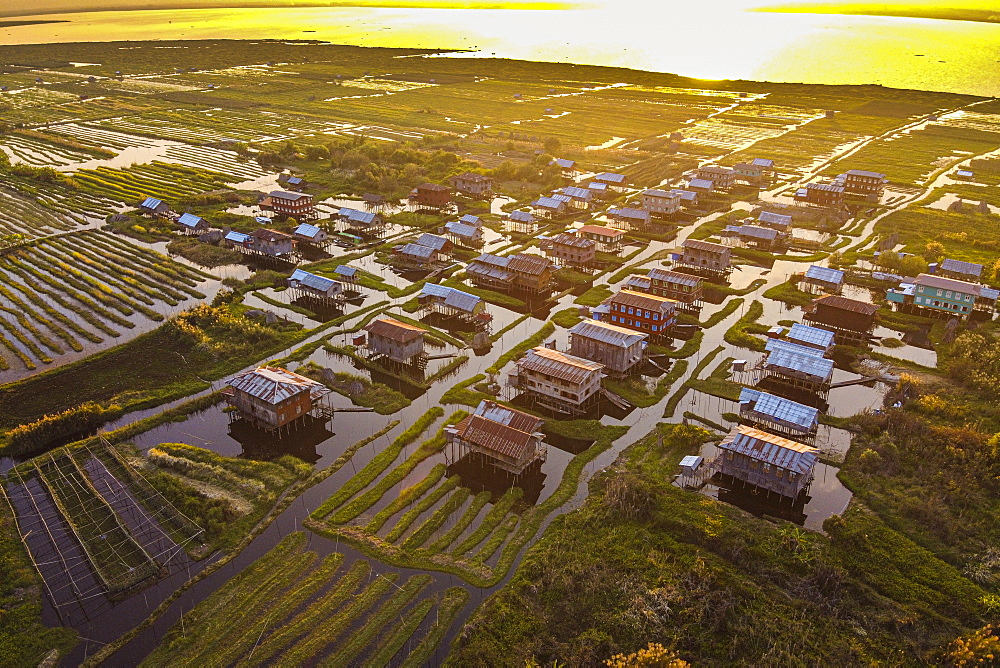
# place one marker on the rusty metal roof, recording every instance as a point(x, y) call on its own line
point(845, 304)
point(707, 246)
point(564, 239)
point(600, 231)
point(395, 330)
point(675, 277)
point(522, 263)
point(559, 365)
point(274, 384)
point(271, 236)
point(494, 436)
point(642, 300)
point(781, 452)
point(509, 416)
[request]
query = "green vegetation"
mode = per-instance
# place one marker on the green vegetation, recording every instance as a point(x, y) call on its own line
point(715, 292)
point(789, 293)
point(717, 383)
point(568, 317)
point(594, 296)
point(205, 254)
point(382, 398)
point(713, 572)
point(520, 349)
point(493, 297)
point(741, 333)
point(461, 394)
point(670, 408)
point(635, 389)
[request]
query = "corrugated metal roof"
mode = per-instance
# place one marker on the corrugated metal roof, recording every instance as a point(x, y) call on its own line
point(763, 162)
point(638, 282)
point(564, 239)
point(262, 220)
point(493, 260)
point(287, 196)
point(685, 195)
point(151, 203)
point(559, 197)
point(462, 301)
point(601, 230)
point(808, 365)
point(675, 277)
point(781, 452)
point(610, 177)
point(355, 216)
point(564, 163)
point(811, 335)
point(845, 304)
point(294, 180)
point(313, 281)
point(961, 267)
point(190, 220)
point(432, 186)
point(643, 301)
point(469, 219)
point(274, 384)
point(864, 173)
point(434, 241)
point(600, 187)
point(395, 330)
point(559, 365)
point(511, 417)
point(307, 230)
point(575, 192)
point(755, 232)
point(715, 169)
point(524, 263)
point(778, 344)
point(701, 183)
point(493, 436)
point(654, 192)
point(828, 187)
point(630, 213)
point(237, 237)
point(598, 330)
point(707, 246)
point(775, 218)
point(435, 290)
point(548, 203)
point(989, 293)
point(418, 250)
point(522, 216)
point(779, 409)
point(271, 236)
point(489, 271)
point(346, 271)
point(825, 274)
point(944, 283)
point(463, 230)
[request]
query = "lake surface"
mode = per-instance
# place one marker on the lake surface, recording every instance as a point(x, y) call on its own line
point(720, 41)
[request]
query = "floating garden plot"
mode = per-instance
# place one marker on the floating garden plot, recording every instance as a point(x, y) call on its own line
point(21, 215)
point(65, 292)
point(31, 98)
point(727, 135)
point(39, 153)
point(214, 159)
point(144, 86)
point(99, 137)
point(157, 179)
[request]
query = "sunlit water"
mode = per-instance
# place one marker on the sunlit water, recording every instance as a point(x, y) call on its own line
point(718, 41)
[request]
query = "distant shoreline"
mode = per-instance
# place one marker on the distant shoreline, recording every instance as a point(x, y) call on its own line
point(940, 13)
point(15, 24)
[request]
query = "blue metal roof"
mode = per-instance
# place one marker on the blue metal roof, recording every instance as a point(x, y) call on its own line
point(807, 365)
point(779, 409)
point(462, 230)
point(754, 232)
point(434, 290)
point(307, 230)
point(701, 183)
point(655, 192)
point(294, 180)
point(469, 219)
point(548, 203)
point(189, 220)
point(262, 220)
point(825, 274)
point(522, 216)
point(763, 162)
point(564, 163)
point(151, 203)
point(779, 344)
point(610, 177)
point(814, 336)
point(355, 216)
point(345, 270)
point(685, 195)
point(961, 267)
point(597, 186)
point(565, 199)
point(418, 250)
point(775, 218)
point(627, 212)
point(313, 281)
point(573, 191)
point(432, 241)
point(237, 237)
point(493, 260)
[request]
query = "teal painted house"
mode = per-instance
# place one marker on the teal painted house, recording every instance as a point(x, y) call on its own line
point(938, 295)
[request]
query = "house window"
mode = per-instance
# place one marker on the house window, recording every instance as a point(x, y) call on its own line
point(948, 294)
point(753, 464)
point(767, 468)
point(656, 316)
point(939, 293)
point(654, 328)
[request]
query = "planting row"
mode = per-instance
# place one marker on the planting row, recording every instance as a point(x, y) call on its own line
point(64, 291)
point(293, 608)
point(158, 179)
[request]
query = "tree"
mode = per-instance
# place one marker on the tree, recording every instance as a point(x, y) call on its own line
point(933, 251)
point(552, 145)
point(317, 152)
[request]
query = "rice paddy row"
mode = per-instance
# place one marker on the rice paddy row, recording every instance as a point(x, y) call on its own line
point(157, 179)
point(39, 153)
point(63, 292)
point(292, 608)
point(436, 523)
point(21, 215)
